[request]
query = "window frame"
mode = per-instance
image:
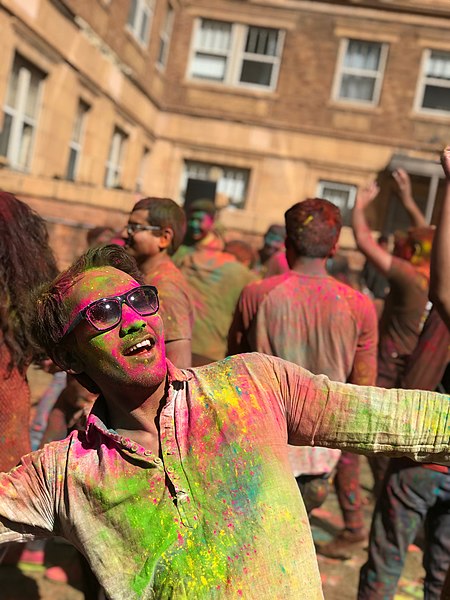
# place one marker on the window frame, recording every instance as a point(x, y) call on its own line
point(198, 171)
point(165, 36)
point(236, 55)
point(352, 190)
point(18, 113)
point(114, 162)
point(341, 70)
point(134, 26)
point(76, 145)
point(422, 84)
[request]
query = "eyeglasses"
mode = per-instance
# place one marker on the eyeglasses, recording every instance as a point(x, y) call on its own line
point(133, 228)
point(106, 313)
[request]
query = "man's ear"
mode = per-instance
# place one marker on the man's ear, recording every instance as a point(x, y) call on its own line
point(333, 250)
point(165, 238)
point(67, 361)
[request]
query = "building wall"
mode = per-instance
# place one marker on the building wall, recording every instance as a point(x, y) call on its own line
point(289, 138)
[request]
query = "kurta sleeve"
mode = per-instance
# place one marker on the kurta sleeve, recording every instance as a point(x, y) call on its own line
point(27, 498)
point(363, 419)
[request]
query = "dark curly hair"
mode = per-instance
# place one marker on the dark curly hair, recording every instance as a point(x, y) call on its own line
point(313, 227)
point(51, 313)
point(26, 261)
point(164, 212)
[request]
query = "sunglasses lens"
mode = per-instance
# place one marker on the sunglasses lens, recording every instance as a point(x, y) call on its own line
point(144, 300)
point(104, 314)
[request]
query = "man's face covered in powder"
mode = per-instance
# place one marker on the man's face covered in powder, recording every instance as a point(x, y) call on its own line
point(111, 358)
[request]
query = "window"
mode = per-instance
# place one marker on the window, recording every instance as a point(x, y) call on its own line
point(340, 194)
point(114, 162)
point(164, 37)
point(20, 113)
point(234, 54)
point(434, 86)
point(76, 140)
point(143, 166)
point(231, 181)
point(360, 73)
point(139, 19)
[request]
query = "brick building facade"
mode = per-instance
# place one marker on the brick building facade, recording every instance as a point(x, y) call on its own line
point(104, 101)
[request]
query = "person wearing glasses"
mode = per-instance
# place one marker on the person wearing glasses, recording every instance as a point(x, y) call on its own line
point(180, 485)
point(156, 228)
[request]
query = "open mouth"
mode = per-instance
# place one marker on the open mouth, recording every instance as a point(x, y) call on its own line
point(140, 348)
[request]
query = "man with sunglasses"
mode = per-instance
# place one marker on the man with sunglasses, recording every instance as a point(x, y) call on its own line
point(156, 228)
point(180, 486)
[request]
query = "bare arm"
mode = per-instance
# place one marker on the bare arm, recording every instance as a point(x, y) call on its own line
point(440, 257)
point(363, 235)
point(404, 189)
point(364, 370)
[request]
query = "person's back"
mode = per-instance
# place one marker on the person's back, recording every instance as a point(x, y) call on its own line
point(217, 279)
point(313, 321)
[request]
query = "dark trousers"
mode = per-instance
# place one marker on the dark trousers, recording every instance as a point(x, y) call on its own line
point(411, 495)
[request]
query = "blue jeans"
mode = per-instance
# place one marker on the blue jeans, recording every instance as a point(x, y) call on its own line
point(411, 495)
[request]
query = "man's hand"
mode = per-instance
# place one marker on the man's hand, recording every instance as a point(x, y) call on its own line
point(445, 161)
point(403, 182)
point(405, 192)
point(367, 194)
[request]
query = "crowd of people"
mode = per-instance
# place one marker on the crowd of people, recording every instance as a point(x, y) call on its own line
point(206, 397)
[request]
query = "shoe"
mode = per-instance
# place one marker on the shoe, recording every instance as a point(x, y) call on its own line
point(343, 546)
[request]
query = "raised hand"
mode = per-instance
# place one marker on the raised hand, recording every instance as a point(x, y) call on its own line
point(403, 182)
point(367, 194)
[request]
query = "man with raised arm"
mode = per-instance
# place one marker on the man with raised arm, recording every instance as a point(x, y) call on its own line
point(180, 485)
point(440, 256)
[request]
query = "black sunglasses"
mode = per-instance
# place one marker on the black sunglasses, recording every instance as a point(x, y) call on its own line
point(106, 313)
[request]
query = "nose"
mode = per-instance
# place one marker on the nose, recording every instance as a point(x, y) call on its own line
point(124, 234)
point(131, 321)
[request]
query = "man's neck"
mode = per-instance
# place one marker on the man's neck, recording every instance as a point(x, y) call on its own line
point(135, 415)
point(310, 266)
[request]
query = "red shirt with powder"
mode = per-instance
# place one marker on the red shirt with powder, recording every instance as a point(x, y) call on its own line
point(313, 321)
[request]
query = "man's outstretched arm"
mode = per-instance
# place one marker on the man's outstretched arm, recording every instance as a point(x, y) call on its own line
point(405, 193)
point(440, 256)
point(361, 230)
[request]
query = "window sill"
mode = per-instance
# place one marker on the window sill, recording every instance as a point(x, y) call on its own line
point(349, 106)
point(221, 88)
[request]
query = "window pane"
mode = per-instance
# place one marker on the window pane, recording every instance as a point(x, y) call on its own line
point(132, 13)
point(362, 55)
point(144, 25)
point(25, 146)
point(33, 95)
point(209, 66)
point(214, 36)
point(72, 164)
point(262, 41)
point(4, 135)
point(11, 96)
point(357, 88)
point(438, 65)
point(436, 97)
point(256, 72)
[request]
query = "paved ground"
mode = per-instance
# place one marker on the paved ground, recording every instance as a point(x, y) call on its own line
point(339, 577)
